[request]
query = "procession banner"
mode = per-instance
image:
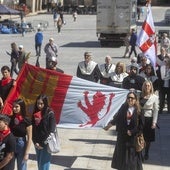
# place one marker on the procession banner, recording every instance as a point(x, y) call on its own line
point(77, 103)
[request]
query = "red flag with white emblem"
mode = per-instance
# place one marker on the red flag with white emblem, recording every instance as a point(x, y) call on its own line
point(146, 40)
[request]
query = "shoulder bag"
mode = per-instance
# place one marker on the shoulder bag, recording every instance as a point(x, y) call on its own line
point(53, 142)
point(139, 140)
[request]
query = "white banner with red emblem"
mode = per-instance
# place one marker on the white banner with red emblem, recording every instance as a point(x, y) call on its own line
point(89, 104)
point(77, 103)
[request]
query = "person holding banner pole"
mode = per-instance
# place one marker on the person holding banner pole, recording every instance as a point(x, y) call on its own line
point(125, 155)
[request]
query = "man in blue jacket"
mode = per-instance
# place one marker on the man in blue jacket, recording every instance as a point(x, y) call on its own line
point(133, 39)
point(38, 42)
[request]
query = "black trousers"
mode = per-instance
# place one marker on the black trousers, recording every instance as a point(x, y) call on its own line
point(164, 92)
point(133, 49)
point(38, 49)
point(14, 67)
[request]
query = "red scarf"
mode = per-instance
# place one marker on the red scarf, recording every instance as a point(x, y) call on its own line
point(129, 115)
point(5, 81)
point(37, 118)
point(18, 119)
point(4, 133)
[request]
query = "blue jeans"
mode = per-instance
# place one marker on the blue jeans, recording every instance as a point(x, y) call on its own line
point(19, 153)
point(43, 158)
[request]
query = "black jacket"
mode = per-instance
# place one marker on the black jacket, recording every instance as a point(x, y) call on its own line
point(46, 126)
point(134, 82)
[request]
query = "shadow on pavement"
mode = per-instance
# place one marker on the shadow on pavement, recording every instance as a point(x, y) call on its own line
point(94, 141)
point(77, 169)
point(66, 161)
point(97, 157)
point(89, 44)
point(160, 149)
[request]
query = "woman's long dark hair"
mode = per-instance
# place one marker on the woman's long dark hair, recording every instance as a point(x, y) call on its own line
point(152, 69)
point(22, 105)
point(44, 98)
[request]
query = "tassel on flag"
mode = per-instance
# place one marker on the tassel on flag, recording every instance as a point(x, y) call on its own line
point(146, 40)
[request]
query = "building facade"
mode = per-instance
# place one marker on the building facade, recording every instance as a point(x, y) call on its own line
point(38, 5)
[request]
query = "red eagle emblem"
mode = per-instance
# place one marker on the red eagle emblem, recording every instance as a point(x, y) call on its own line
point(93, 108)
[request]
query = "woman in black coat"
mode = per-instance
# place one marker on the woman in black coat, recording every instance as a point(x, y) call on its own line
point(128, 122)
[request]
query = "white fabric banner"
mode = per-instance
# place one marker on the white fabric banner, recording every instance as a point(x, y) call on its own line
point(89, 104)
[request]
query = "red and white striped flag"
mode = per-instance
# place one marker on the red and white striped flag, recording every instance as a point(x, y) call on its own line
point(146, 40)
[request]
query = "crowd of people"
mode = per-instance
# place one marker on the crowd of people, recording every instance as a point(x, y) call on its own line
point(149, 93)
point(18, 131)
point(18, 55)
point(149, 89)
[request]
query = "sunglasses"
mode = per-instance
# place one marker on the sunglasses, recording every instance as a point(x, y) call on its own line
point(131, 98)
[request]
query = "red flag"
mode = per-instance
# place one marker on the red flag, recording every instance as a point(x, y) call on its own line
point(146, 40)
point(33, 81)
point(77, 103)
